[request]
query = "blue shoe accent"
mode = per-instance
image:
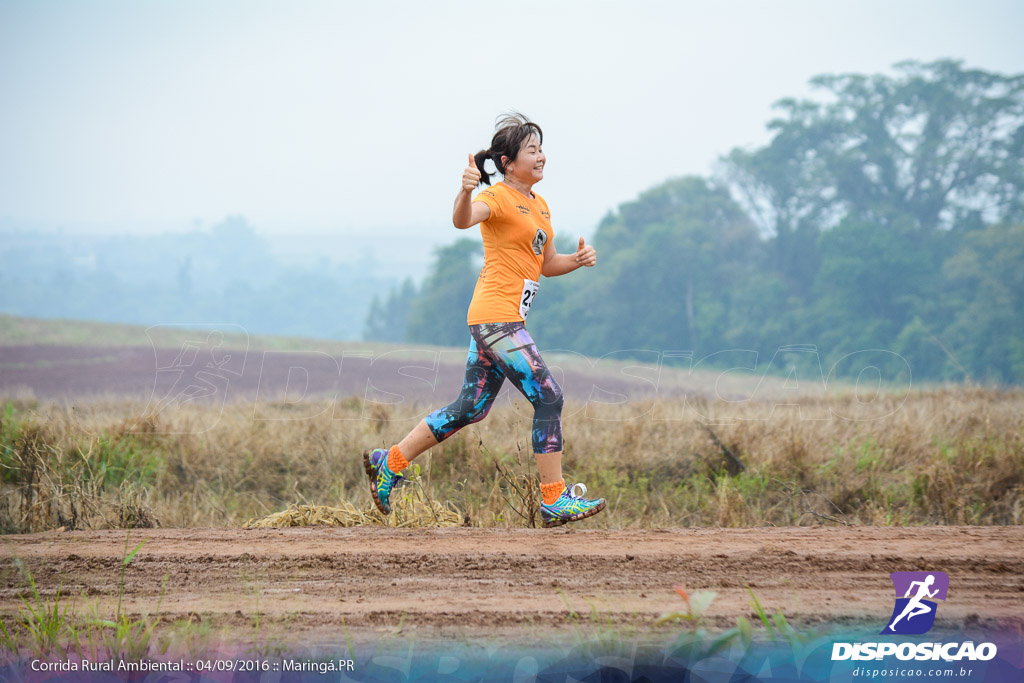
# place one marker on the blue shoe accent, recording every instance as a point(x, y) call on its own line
point(570, 507)
point(382, 480)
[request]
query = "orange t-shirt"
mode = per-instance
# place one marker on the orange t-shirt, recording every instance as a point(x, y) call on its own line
point(514, 239)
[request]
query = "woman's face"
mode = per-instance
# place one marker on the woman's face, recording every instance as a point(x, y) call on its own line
point(529, 164)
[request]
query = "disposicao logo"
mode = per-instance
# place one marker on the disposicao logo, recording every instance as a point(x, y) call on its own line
point(915, 608)
point(914, 614)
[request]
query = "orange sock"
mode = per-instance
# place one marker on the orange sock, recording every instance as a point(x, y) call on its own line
point(396, 461)
point(551, 492)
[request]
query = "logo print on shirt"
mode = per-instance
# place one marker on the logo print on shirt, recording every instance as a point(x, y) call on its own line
point(545, 214)
point(523, 209)
point(539, 240)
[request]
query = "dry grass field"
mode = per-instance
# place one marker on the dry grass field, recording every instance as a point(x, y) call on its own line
point(952, 456)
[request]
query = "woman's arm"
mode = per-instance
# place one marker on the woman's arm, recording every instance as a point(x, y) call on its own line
point(468, 213)
point(559, 264)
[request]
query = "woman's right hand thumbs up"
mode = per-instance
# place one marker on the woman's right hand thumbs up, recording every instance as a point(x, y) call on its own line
point(471, 176)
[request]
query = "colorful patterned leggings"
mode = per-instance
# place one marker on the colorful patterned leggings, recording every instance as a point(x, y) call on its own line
point(497, 351)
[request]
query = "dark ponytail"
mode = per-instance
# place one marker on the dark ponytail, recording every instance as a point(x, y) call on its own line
point(511, 131)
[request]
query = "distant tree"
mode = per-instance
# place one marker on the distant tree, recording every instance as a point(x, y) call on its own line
point(185, 278)
point(937, 146)
point(234, 250)
point(986, 301)
point(437, 315)
point(388, 321)
point(864, 194)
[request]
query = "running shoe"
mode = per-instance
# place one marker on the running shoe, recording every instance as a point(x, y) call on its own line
point(570, 507)
point(382, 480)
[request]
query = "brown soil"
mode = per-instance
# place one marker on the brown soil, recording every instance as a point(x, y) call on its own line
point(462, 582)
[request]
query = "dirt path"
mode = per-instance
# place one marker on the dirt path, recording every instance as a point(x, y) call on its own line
point(465, 581)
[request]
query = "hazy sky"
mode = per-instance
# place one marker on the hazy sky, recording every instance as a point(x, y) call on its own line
point(349, 116)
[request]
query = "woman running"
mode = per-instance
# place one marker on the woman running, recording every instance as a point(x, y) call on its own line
point(518, 248)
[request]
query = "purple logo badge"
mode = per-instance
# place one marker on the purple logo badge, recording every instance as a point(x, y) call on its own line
point(915, 608)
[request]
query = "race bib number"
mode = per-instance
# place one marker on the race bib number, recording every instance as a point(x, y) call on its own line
point(526, 299)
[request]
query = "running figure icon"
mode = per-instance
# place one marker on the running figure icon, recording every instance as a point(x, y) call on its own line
point(917, 594)
point(915, 607)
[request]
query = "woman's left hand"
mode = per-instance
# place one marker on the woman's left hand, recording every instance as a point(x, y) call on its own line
point(586, 255)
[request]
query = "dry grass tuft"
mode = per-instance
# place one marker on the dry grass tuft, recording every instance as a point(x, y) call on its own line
point(56, 479)
point(404, 514)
